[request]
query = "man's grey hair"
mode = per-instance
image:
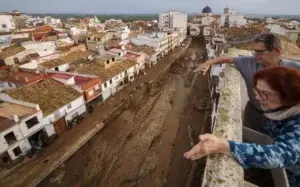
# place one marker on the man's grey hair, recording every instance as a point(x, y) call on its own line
point(271, 41)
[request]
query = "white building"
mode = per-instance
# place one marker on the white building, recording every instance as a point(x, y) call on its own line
point(231, 18)
point(172, 20)
point(203, 24)
point(6, 23)
point(292, 34)
point(270, 20)
point(51, 21)
point(20, 122)
point(23, 122)
point(157, 40)
point(109, 21)
point(17, 54)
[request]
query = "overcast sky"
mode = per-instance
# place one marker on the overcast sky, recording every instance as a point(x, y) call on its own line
point(290, 7)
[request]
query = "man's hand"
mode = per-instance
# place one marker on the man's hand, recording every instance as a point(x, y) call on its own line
point(203, 68)
point(209, 144)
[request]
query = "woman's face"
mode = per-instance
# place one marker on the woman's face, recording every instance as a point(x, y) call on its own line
point(268, 98)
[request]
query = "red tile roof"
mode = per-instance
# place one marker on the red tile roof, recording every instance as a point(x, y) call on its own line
point(132, 55)
point(84, 83)
point(23, 77)
point(45, 28)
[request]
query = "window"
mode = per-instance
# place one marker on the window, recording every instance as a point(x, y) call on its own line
point(4, 26)
point(105, 85)
point(91, 92)
point(16, 60)
point(107, 62)
point(17, 151)
point(69, 106)
point(110, 81)
point(10, 138)
point(74, 115)
point(5, 159)
point(32, 122)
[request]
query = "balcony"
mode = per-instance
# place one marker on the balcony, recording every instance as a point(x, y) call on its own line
point(228, 101)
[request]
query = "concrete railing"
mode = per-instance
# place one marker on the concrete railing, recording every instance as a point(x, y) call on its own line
point(223, 170)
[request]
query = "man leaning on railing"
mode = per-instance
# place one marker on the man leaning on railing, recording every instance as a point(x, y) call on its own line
point(266, 50)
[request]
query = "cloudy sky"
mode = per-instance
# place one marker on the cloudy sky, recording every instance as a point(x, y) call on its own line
point(290, 7)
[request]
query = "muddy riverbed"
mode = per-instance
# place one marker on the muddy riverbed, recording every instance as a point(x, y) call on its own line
point(143, 146)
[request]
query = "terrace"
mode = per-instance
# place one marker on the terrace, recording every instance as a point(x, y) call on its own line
point(7, 112)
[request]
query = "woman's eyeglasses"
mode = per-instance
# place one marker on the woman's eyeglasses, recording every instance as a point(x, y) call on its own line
point(263, 94)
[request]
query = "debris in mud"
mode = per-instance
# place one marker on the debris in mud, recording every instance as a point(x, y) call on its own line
point(127, 153)
point(58, 178)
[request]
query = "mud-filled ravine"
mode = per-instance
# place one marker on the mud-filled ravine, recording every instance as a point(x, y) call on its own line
point(144, 145)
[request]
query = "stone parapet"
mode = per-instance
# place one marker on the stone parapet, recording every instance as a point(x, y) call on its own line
point(222, 170)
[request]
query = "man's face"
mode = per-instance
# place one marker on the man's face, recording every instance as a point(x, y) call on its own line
point(268, 58)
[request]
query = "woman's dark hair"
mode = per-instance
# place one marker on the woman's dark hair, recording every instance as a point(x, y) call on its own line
point(284, 80)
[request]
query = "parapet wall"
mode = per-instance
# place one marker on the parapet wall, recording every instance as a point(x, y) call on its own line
point(222, 170)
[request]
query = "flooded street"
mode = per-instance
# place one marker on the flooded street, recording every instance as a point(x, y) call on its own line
point(143, 146)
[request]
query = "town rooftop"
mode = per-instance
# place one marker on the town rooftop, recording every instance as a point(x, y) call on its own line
point(49, 94)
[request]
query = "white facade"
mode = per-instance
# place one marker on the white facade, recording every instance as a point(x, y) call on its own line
point(277, 29)
point(207, 20)
point(231, 18)
point(110, 86)
point(113, 21)
point(95, 46)
point(75, 31)
point(43, 46)
point(172, 20)
point(22, 131)
point(64, 42)
point(51, 21)
point(270, 20)
point(69, 111)
point(158, 41)
point(292, 34)
point(6, 23)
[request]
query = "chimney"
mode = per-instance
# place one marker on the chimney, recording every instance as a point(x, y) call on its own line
point(26, 79)
point(16, 118)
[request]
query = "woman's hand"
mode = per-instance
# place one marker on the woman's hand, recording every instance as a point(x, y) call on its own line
point(209, 144)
